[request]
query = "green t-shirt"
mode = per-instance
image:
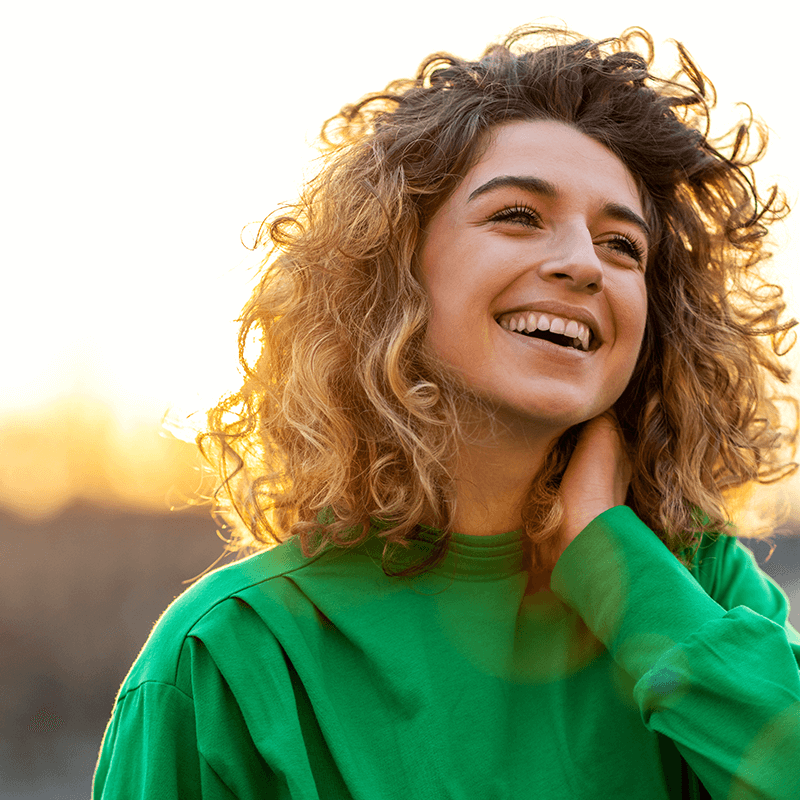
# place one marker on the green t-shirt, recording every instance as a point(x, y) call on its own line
point(286, 677)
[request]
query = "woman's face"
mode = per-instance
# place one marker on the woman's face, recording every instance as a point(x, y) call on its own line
point(545, 233)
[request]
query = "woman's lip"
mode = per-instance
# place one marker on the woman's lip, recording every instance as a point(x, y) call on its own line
point(549, 347)
point(557, 309)
point(594, 344)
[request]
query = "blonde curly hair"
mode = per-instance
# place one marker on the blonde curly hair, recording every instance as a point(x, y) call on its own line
point(344, 419)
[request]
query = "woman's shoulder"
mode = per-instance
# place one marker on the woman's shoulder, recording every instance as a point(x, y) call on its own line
point(728, 571)
point(719, 558)
point(204, 604)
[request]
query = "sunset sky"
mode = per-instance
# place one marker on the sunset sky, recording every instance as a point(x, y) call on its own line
point(141, 138)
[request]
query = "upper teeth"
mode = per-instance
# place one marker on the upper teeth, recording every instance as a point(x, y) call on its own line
point(530, 321)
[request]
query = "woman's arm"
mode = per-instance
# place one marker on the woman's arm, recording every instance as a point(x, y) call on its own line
point(718, 675)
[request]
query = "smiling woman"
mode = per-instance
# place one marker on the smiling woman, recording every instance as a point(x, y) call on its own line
point(556, 247)
point(516, 361)
point(488, 254)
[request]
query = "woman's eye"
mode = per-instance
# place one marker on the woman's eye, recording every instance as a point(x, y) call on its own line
point(522, 215)
point(628, 247)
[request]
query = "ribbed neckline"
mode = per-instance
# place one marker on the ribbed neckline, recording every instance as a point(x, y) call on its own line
point(468, 557)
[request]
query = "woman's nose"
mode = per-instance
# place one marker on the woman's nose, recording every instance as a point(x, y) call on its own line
point(574, 259)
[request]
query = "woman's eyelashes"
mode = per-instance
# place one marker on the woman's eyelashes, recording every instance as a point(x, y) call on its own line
point(629, 247)
point(521, 214)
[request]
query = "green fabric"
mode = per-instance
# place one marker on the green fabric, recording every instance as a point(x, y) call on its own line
point(286, 677)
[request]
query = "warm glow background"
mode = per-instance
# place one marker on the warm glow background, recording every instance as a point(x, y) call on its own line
point(139, 140)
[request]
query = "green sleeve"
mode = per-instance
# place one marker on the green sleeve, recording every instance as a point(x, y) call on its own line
point(163, 742)
point(150, 747)
point(715, 666)
point(730, 574)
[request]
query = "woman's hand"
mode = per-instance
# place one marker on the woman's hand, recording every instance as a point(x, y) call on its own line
point(596, 477)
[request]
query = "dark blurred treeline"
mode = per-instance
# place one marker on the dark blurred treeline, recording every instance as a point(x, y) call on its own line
point(79, 595)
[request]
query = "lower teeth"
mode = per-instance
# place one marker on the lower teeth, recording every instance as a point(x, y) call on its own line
point(574, 343)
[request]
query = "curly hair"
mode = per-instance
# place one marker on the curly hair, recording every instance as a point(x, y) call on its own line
point(344, 422)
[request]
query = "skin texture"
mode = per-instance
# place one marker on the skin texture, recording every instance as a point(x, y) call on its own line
point(573, 247)
point(597, 476)
point(595, 480)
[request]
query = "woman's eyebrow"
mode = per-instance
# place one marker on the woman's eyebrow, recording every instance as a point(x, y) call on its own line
point(527, 183)
point(540, 186)
point(624, 214)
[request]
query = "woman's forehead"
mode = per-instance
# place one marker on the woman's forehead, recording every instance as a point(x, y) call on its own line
point(552, 159)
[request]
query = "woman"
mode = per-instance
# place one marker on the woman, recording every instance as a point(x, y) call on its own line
point(515, 366)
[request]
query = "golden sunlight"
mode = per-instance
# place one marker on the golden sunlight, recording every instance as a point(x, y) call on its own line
point(127, 269)
point(77, 451)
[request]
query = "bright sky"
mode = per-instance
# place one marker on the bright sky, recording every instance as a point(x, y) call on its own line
point(141, 138)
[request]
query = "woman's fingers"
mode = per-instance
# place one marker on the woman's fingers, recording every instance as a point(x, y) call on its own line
point(597, 476)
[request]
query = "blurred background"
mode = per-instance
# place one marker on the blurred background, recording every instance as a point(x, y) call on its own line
point(142, 145)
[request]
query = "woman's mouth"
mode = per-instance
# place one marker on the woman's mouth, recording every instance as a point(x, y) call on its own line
point(558, 330)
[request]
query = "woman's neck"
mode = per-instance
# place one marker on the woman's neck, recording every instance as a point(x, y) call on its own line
point(492, 482)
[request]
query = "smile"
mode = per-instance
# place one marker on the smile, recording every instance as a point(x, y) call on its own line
point(558, 330)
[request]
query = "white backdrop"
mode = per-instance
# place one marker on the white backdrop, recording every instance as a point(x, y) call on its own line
point(140, 138)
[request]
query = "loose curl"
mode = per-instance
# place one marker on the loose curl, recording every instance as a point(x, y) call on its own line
point(345, 421)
